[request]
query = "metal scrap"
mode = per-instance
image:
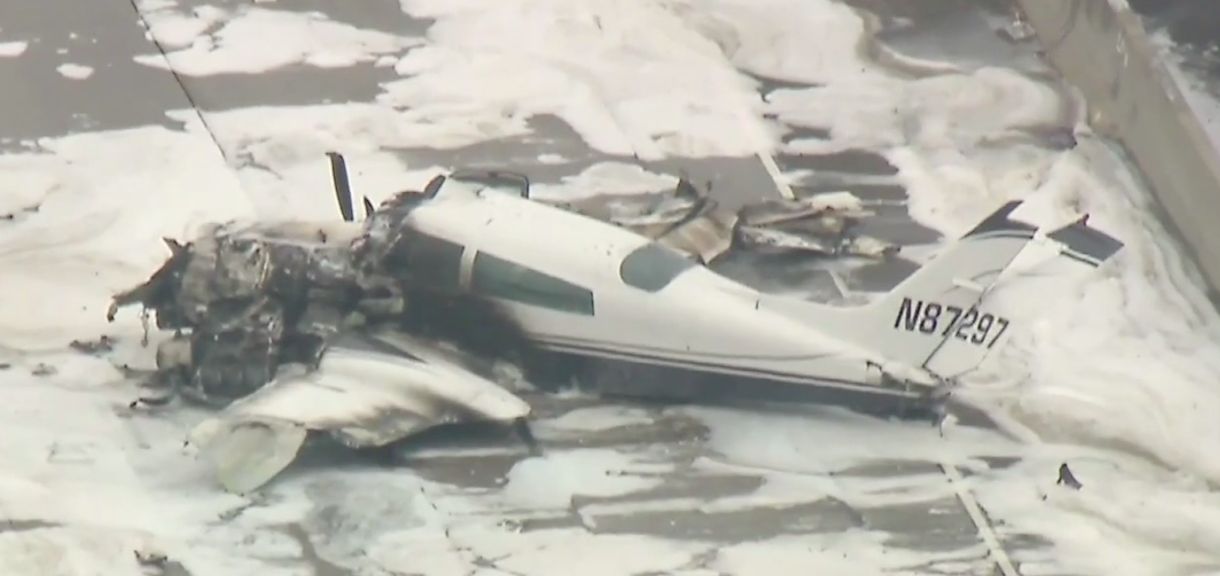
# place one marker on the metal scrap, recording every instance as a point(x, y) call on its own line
point(236, 290)
point(688, 219)
point(103, 344)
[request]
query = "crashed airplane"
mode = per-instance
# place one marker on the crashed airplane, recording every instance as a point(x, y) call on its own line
point(372, 331)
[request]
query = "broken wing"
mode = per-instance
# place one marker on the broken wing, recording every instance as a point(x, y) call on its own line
point(368, 391)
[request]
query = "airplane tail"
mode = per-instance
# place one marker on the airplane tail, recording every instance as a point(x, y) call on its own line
point(938, 319)
point(1080, 247)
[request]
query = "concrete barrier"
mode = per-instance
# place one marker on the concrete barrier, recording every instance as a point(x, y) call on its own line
point(1100, 46)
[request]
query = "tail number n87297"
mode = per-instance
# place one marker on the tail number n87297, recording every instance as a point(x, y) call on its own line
point(979, 328)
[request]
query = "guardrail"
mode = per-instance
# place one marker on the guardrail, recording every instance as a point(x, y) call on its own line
point(1100, 46)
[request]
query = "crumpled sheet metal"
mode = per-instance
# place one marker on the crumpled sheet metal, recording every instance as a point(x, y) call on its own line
point(842, 205)
point(366, 392)
point(688, 220)
point(706, 235)
point(778, 240)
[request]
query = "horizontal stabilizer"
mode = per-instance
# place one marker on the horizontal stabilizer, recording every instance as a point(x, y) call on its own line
point(1080, 249)
point(938, 302)
point(1085, 244)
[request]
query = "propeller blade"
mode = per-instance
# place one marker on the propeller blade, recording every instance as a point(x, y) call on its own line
point(343, 190)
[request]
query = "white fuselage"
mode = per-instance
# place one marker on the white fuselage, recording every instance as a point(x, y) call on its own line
point(604, 299)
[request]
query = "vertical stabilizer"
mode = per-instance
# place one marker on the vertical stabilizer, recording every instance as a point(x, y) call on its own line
point(937, 302)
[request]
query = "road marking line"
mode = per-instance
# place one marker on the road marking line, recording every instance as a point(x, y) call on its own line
point(768, 161)
point(980, 521)
point(169, 66)
point(777, 177)
point(758, 134)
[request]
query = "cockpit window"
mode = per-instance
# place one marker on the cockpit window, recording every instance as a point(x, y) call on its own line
point(653, 266)
point(497, 277)
point(426, 260)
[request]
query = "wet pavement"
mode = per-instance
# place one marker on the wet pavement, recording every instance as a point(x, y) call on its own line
point(107, 35)
point(102, 35)
point(695, 493)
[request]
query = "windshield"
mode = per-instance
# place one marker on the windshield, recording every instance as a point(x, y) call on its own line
point(653, 266)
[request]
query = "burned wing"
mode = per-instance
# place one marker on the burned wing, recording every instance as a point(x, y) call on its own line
point(244, 300)
point(368, 391)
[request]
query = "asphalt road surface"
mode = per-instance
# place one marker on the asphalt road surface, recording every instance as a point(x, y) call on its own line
point(107, 34)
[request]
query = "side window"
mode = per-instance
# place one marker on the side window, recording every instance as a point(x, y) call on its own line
point(503, 279)
point(653, 266)
point(428, 260)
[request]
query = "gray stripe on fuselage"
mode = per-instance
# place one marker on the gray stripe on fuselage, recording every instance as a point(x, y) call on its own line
point(710, 367)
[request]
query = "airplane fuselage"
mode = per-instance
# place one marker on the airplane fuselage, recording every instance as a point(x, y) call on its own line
point(644, 318)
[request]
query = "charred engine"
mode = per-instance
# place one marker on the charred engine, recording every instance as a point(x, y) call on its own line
point(243, 301)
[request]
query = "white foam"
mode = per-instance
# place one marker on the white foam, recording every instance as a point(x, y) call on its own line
point(1198, 91)
point(284, 139)
point(817, 440)
point(396, 522)
point(287, 146)
point(1172, 529)
point(851, 552)
point(75, 71)
point(936, 115)
point(1124, 357)
point(359, 507)
point(542, 553)
point(605, 178)
point(630, 78)
point(1126, 360)
point(172, 29)
point(109, 484)
point(1127, 357)
point(813, 42)
point(91, 234)
point(13, 49)
point(68, 551)
point(597, 418)
point(1127, 353)
point(558, 552)
point(552, 480)
point(256, 40)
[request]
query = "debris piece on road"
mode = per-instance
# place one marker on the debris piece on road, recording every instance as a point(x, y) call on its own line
point(1067, 478)
point(42, 369)
point(103, 344)
point(150, 558)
